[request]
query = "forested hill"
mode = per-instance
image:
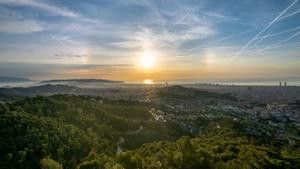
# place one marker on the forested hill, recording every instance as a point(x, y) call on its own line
point(5, 79)
point(82, 81)
point(83, 132)
point(38, 90)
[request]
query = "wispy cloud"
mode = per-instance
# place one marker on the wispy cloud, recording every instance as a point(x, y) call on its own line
point(20, 26)
point(221, 16)
point(48, 71)
point(12, 23)
point(60, 56)
point(38, 4)
point(161, 30)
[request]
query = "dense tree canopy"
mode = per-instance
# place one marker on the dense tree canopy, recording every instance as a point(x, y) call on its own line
point(83, 132)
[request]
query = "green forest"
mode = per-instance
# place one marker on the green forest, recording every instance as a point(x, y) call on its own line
point(83, 132)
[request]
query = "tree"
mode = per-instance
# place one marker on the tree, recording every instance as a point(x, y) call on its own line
point(48, 163)
point(3, 108)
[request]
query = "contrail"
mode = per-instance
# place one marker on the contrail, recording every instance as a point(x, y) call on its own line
point(278, 46)
point(260, 39)
point(262, 31)
point(279, 33)
point(289, 15)
point(180, 19)
point(64, 44)
point(156, 13)
point(173, 25)
point(285, 45)
point(280, 42)
point(234, 35)
point(223, 39)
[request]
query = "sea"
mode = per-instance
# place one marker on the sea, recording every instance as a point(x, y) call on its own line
point(290, 82)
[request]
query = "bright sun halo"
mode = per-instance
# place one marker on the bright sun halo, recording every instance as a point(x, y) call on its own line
point(147, 61)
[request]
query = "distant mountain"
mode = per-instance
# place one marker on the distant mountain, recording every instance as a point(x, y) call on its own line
point(81, 81)
point(4, 79)
point(38, 90)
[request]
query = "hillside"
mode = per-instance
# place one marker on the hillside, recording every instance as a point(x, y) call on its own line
point(13, 79)
point(93, 132)
point(81, 81)
point(37, 90)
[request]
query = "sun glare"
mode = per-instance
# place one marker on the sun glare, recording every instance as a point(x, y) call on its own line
point(148, 81)
point(147, 61)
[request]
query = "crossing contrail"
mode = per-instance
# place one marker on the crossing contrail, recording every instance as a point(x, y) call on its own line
point(258, 41)
point(279, 33)
point(222, 39)
point(280, 42)
point(262, 31)
point(290, 15)
point(180, 19)
point(269, 35)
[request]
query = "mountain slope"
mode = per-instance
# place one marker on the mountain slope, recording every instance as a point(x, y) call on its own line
point(4, 79)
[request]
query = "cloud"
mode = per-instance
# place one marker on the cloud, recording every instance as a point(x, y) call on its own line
point(177, 28)
point(48, 71)
point(127, 44)
point(20, 26)
point(221, 16)
point(60, 56)
point(37, 4)
point(157, 29)
point(13, 23)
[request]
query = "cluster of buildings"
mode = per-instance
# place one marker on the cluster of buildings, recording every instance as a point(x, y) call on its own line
point(277, 108)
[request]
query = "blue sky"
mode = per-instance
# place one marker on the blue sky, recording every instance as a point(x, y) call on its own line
point(192, 39)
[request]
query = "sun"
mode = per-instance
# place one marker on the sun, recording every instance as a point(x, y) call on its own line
point(147, 60)
point(148, 81)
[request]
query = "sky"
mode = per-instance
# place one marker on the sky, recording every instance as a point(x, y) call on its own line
point(185, 39)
